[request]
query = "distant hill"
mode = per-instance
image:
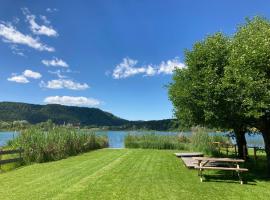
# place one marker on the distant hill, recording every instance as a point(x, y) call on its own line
point(59, 114)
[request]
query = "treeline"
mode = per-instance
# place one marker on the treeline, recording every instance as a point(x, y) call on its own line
point(17, 116)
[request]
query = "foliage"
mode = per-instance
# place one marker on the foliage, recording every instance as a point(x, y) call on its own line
point(54, 144)
point(247, 77)
point(153, 141)
point(14, 125)
point(200, 95)
point(194, 91)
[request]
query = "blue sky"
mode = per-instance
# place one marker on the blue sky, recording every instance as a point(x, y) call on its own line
point(111, 54)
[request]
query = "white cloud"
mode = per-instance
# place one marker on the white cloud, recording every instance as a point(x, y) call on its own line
point(18, 79)
point(169, 66)
point(128, 68)
point(23, 78)
point(72, 101)
point(50, 10)
point(55, 62)
point(31, 74)
point(44, 19)
point(11, 35)
point(58, 74)
point(64, 83)
point(36, 28)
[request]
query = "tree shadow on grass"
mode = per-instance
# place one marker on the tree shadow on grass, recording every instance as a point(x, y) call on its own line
point(228, 178)
point(257, 172)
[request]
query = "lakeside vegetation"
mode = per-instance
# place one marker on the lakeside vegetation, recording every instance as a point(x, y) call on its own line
point(199, 140)
point(50, 144)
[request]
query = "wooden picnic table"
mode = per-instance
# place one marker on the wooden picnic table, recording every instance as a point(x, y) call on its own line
point(203, 161)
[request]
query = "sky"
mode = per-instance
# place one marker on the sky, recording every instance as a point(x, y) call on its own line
point(116, 55)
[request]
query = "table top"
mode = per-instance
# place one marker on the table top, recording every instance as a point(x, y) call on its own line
point(218, 159)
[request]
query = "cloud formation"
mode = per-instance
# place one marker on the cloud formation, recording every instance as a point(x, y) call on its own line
point(18, 79)
point(72, 101)
point(23, 78)
point(64, 84)
point(11, 35)
point(31, 74)
point(55, 62)
point(36, 28)
point(58, 74)
point(128, 68)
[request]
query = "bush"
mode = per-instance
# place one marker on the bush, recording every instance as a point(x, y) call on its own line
point(54, 144)
point(153, 141)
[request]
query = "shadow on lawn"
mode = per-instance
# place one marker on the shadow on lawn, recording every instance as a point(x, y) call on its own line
point(257, 172)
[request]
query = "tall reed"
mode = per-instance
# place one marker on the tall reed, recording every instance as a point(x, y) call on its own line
point(54, 144)
point(153, 141)
point(201, 140)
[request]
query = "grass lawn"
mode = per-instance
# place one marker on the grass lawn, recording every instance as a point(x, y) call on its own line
point(123, 174)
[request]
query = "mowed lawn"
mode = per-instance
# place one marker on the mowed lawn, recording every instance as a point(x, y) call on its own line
point(122, 174)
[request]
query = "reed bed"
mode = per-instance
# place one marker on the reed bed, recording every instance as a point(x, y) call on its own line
point(42, 145)
point(198, 140)
point(202, 141)
point(154, 141)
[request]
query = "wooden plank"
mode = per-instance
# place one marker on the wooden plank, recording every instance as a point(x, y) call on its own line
point(218, 159)
point(192, 154)
point(10, 160)
point(189, 162)
point(13, 151)
point(224, 168)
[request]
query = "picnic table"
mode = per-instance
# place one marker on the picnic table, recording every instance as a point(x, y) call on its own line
point(209, 163)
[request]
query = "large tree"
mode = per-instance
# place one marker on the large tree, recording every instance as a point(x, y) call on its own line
point(247, 77)
point(197, 92)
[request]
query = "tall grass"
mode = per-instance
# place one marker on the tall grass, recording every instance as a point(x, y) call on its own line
point(201, 140)
point(154, 141)
point(54, 144)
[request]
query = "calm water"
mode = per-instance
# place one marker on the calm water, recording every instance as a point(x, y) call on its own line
point(116, 138)
point(6, 136)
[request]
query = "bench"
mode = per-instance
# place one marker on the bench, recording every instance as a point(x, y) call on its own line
point(203, 161)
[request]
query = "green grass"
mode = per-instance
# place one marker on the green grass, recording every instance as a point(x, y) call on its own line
point(155, 141)
point(123, 174)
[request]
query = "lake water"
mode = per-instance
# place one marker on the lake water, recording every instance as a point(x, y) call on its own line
point(6, 136)
point(116, 138)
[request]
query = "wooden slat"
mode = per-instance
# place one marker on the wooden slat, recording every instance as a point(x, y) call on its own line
point(224, 168)
point(13, 151)
point(10, 160)
point(218, 159)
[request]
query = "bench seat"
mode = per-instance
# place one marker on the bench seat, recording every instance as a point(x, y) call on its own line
point(223, 168)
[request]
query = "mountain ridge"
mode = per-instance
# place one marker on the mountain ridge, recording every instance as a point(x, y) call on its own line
point(84, 116)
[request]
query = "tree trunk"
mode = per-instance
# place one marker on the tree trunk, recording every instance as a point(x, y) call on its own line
point(266, 137)
point(241, 143)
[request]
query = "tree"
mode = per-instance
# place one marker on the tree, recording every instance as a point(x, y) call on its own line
point(247, 77)
point(197, 92)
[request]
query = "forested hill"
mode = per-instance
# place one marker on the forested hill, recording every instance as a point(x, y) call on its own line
point(59, 114)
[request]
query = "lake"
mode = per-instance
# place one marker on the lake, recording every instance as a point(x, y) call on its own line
point(116, 138)
point(6, 136)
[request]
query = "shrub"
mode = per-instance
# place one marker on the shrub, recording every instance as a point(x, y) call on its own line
point(54, 144)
